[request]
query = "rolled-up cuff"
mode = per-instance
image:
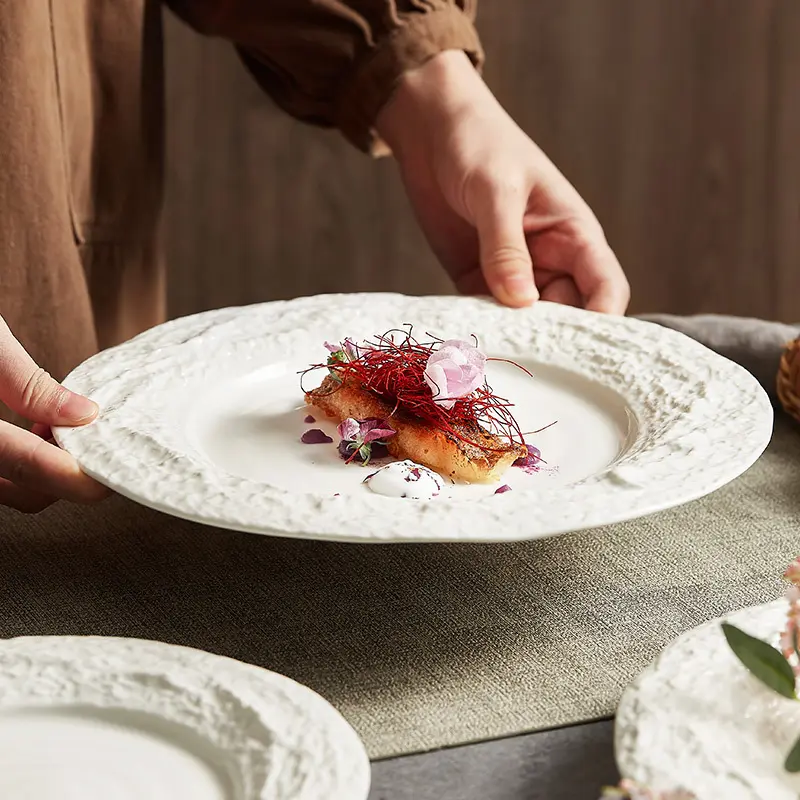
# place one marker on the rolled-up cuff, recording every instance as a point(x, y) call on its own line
point(373, 81)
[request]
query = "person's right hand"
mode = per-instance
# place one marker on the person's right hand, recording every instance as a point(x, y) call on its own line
point(34, 472)
point(498, 214)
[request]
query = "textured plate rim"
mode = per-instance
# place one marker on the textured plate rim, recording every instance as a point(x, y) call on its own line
point(230, 672)
point(508, 517)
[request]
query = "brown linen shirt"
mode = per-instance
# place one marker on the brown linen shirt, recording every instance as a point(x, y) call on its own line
point(81, 118)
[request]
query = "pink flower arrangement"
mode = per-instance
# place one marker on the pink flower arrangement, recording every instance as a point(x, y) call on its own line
point(456, 369)
point(792, 573)
point(789, 643)
point(628, 790)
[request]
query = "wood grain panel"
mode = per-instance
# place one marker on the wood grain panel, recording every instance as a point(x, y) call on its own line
point(260, 207)
point(784, 206)
point(656, 110)
point(677, 120)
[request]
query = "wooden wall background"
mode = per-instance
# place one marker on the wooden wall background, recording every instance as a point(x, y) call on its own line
point(678, 120)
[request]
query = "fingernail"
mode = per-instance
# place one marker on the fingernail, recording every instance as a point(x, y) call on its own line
point(78, 409)
point(520, 289)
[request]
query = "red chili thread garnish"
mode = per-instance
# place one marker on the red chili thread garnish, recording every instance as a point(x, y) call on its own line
point(513, 364)
point(392, 367)
point(539, 430)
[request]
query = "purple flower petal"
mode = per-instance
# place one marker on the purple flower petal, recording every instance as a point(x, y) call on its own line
point(374, 429)
point(315, 436)
point(378, 433)
point(309, 419)
point(332, 348)
point(533, 452)
point(365, 431)
point(349, 429)
point(351, 349)
point(530, 463)
point(503, 489)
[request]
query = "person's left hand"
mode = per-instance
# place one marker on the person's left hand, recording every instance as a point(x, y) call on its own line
point(496, 211)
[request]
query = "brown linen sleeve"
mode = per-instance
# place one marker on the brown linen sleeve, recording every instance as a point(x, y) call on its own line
point(334, 63)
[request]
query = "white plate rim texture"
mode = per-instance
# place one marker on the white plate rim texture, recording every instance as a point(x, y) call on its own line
point(695, 718)
point(702, 420)
point(254, 717)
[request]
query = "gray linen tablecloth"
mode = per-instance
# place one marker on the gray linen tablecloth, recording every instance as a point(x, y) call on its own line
point(569, 763)
point(424, 646)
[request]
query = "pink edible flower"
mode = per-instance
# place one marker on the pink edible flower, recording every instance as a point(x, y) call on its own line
point(456, 369)
point(365, 430)
point(792, 573)
point(348, 347)
point(363, 439)
point(349, 429)
point(790, 632)
point(628, 790)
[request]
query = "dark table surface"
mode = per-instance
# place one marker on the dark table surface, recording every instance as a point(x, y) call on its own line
point(571, 763)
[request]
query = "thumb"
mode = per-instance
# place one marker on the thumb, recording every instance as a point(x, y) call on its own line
point(505, 257)
point(29, 391)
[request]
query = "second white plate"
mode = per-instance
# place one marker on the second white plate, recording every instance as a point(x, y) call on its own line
point(696, 718)
point(98, 718)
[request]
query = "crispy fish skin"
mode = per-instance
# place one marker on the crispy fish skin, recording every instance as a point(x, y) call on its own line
point(414, 440)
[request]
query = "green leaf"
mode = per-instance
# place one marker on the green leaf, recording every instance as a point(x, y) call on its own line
point(792, 763)
point(339, 357)
point(763, 660)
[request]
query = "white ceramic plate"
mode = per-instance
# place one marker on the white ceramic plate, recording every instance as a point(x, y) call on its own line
point(97, 718)
point(697, 718)
point(202, 418)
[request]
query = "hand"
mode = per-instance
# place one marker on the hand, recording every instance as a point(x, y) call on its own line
point(496, 211)
point(34, 472)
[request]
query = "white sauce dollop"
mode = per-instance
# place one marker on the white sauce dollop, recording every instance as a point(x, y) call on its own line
point(406, 479)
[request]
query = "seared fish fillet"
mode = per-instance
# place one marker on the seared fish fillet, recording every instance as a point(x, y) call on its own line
point(441, 452)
